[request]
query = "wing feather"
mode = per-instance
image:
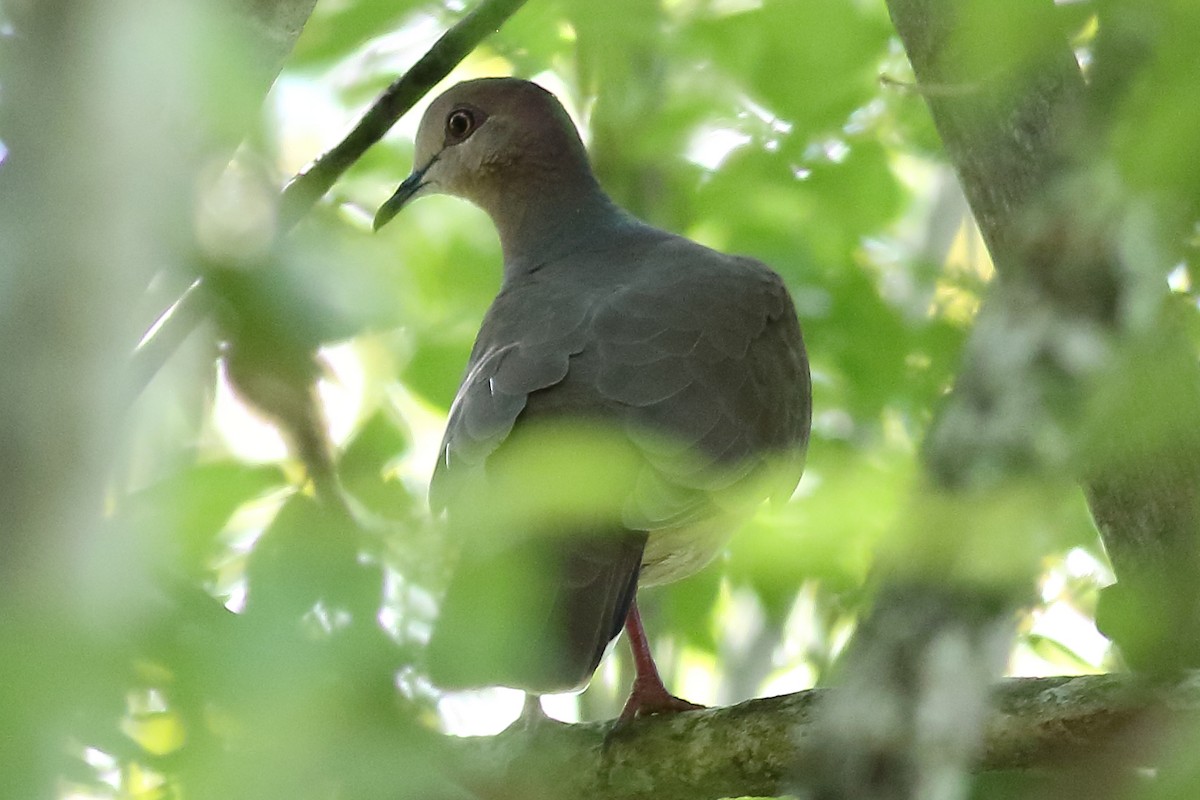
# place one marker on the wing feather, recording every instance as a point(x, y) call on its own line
point(696, 354)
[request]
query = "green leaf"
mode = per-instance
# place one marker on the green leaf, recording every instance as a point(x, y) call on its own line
point(192, 507)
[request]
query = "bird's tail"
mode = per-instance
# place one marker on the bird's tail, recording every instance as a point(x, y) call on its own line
point(537, 615)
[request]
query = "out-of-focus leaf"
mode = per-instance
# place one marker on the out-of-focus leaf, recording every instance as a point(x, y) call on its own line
point(536, 38)
point(867, 341)
point(831, 534)
point(193, 506)
point(338, 29)
point(1160, 102)
point(856, 196)
point(810, 63)
point(157, 733)
point(363, 467)
point(308, 561)
point(447, 259)
point(684, 610)
point(436, 368)
point(1056, 652)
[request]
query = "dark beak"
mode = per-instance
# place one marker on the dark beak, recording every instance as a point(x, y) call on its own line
point(412, 184)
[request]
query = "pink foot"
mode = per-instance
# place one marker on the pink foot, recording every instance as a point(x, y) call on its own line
point(648, 695)
point(649, 698)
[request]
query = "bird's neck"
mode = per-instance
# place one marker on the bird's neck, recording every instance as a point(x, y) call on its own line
point(549, 218)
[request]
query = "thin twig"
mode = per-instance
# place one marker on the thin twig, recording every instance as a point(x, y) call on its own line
point(303, 191)
point(165, 336)
point(938, 89)
point(306, 188)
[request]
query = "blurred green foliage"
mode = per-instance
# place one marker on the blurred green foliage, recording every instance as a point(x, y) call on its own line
point(276, 652)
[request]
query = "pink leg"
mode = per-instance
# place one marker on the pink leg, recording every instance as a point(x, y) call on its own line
point(648, 695)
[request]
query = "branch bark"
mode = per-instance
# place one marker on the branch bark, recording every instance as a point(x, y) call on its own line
point(917, 674)
point(1059, 340)
point(751, 748)
point(1041, 185)
point(1143, 485)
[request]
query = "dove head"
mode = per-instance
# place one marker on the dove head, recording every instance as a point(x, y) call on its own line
point(506, 145)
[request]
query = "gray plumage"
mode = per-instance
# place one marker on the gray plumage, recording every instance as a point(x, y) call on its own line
point(693, 356)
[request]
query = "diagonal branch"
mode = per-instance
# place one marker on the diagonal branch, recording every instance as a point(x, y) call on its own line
point(455, 44)
point(916, 676)
point(302, 192)
point(1025, 134)
point(1038, 174)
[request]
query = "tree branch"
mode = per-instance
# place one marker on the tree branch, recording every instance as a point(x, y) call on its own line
point(1034, 164)
point(455, 44)
point(916, 676)
point(311, 183)
point(1003, 131)
point(1028, 143)
point(751, 748)
point(304, 426)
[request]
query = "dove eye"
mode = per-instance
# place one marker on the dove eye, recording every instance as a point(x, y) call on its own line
point(459, 125)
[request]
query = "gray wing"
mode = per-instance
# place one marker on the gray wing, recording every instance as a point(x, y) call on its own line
point(700, 358)
point(709, 360)
point(524, 346)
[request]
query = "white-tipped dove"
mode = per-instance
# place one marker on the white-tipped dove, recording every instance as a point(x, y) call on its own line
point(694, 356)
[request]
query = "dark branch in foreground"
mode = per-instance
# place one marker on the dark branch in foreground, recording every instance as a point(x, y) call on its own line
point(758, 747)
point(454, 45)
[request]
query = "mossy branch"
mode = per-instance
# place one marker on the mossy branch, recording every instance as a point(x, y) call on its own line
point(759, 748)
